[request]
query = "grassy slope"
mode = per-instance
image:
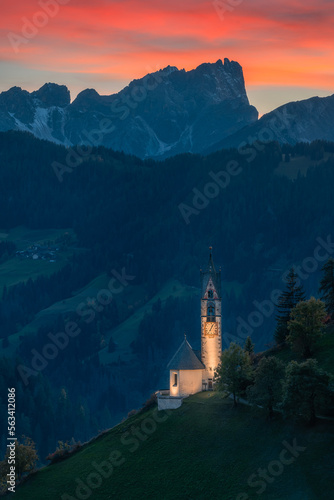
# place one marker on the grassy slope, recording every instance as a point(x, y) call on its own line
point(127, 331)
point(50, 314)
point(299, 166)
point(205, 449)
point(133, 298)
point(14, 270)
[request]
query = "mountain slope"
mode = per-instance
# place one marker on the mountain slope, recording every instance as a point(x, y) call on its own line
point(205, 449)
point(300, 121)
point(126, 213)
point(167, 112)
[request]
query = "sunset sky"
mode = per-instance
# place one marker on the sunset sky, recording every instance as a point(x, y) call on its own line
point(286, 48)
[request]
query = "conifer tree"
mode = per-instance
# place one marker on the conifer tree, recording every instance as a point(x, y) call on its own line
point(249, 346)
point(288, 300)
point(326, 288)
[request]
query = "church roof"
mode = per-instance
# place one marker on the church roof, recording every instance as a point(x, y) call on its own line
point(185, 359)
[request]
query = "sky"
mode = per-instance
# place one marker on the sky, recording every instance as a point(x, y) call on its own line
point(286, 47)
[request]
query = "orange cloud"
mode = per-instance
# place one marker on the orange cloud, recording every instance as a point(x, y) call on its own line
point(278, 43)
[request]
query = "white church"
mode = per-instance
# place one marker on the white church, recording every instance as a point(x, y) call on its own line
point(193, 371)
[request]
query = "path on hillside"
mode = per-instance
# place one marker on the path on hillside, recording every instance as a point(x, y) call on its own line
point(245, 402)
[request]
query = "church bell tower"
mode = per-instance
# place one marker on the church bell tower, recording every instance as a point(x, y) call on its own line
point(211, 326)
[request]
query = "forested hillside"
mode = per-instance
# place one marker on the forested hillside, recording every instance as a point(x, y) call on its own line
point(262, 212)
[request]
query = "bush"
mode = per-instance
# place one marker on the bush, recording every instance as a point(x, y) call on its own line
point(150, 403)
point(26, 459)
point(63, 451)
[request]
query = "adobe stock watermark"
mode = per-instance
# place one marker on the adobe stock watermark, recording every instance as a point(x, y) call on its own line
point(201, 199)
point(280, 120)
point(266, 308)
point(222, 7)
point(221, 180)
point(59, 341)
point(130, 442)
point(266, 476)
point(120, 109)
point(30, 27)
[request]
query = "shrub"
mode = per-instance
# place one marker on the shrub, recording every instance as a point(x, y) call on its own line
point(150, 403)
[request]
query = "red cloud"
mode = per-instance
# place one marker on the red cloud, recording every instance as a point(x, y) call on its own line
point(281, 42)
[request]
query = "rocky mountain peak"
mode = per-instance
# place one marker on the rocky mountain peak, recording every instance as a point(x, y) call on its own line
point(51, 94)
point(167, 112)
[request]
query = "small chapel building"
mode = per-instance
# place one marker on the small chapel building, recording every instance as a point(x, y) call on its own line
point(185, 371)
point(193, 371)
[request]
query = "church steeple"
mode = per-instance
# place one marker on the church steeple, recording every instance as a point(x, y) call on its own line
point(211, 266)
point(210, 273)
point(191, 371)
point(211, 325)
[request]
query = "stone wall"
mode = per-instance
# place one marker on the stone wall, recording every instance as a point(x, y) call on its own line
point(169, 403)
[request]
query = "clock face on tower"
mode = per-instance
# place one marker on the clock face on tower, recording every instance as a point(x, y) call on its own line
point(210, 329)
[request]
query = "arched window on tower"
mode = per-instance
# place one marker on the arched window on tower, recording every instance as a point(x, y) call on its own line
point(210, 294)
point(211, 313)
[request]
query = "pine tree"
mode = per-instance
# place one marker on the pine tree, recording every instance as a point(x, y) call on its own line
point(327, 286)
point(111, 345)
point(288, 300)
point(249, 346)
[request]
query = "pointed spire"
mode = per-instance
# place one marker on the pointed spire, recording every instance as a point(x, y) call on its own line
point(211, 266)
point(211, 273)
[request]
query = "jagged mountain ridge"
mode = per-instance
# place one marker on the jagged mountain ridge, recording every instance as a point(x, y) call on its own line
point(167, 112)
point(298, 121)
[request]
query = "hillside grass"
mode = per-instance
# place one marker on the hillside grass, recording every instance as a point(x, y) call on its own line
point(48, 315)
point(19, 270)
point(133, 302)
point(126, 332)
point(205, 449)
point(15, 271)
point(299, 165)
